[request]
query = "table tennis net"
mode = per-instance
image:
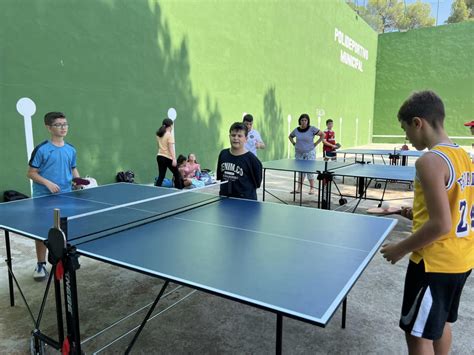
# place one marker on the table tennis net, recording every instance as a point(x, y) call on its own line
point(334, 165)
point(114, 219)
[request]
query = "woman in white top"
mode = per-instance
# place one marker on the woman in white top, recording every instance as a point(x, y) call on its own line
point(305, 147)
point(166, 157)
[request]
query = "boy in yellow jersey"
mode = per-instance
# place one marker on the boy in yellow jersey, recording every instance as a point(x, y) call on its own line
point(442, 239)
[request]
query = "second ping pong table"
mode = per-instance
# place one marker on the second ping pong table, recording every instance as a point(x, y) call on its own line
point(395, 156)
point(273, 262)
point(364, 173)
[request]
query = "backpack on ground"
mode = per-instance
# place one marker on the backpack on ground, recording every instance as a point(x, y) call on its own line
point(12, 195)
point(125, 176)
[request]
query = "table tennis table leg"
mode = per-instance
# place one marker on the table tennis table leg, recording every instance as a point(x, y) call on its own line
point(8, 260)
point(361, 194)
point(59, 314)
point(294, 186)
point(360, 187)
point(150, 311)
point(279, 333)
point(263, 194)
point(71, 264)
point(344, 311)
point(301, 188)
point(383, 193)
point(325, 181)
point(329, 183)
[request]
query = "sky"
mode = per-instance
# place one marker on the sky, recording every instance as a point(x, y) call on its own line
point(443, 10)
point(439, 13)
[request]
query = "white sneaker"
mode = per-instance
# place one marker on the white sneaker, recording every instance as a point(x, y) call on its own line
point(40, 273)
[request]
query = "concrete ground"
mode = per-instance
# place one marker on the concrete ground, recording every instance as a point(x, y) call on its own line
point(207, 324)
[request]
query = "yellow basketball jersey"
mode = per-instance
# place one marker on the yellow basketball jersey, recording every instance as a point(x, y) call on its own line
point(453, 252)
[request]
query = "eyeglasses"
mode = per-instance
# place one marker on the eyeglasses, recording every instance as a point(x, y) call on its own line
point(60, 125)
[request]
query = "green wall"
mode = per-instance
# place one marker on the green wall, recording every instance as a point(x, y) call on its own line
point(439, 58)
point(116, 66)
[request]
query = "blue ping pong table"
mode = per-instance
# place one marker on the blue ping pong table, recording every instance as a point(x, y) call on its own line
point(395, 156)
point(364, 173)
point(295, 166)
point(273, 261)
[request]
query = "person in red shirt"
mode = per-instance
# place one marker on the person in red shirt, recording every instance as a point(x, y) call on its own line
point(471, 126)
point(329, 141)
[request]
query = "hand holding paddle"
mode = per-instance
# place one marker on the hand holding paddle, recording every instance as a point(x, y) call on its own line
point(80, 181)
point(387, 210)
point(407, 212)
point(381, 211)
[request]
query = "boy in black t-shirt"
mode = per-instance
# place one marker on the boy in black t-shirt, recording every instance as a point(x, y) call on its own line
point(239, 167)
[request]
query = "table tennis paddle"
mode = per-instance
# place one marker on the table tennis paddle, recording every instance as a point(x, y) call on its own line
point(80, 181)
point(338, 145)
point(56, 241)
point(56, 244)
point(380, 211)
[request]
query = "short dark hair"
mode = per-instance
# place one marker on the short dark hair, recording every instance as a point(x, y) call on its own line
point(239, 126)
point(181, 159)
point(304, 115)
point(50, 117)
point(329, 121)
point(248, 118)
point(424, 104)
point(167, 122)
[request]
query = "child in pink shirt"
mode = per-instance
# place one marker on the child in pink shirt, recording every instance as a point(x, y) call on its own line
point(192, 169)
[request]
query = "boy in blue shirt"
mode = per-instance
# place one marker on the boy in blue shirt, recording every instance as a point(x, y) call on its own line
point(52, 167)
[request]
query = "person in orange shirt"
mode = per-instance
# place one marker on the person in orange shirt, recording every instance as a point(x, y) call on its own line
point(166, 157)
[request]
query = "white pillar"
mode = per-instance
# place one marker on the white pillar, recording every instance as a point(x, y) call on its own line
point(357, 132)
point(370, 132)
point(27, 108)
point(340, 131)
point(289, 131)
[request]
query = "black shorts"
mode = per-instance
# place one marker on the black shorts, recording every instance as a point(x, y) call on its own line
point(430, 300)
point(330, 154)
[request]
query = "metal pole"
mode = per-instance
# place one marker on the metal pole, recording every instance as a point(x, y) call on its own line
point(10, 270)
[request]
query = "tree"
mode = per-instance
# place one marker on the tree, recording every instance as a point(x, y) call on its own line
point(459, 11)
point(392, 15)
point(371, 18)
point(386, 13)
point(417, 15)
point(470, 7)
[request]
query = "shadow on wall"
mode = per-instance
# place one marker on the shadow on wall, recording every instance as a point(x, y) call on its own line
point(273, 128)
point(113, 69)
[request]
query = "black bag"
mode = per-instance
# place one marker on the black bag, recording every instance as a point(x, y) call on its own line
point(12, 195)
point(125, 176)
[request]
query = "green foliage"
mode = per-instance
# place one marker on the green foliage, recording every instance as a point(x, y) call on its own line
point(387, 14)
point(460, 11)
point(417, 16)
point(470, 6)
point(392, 15)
